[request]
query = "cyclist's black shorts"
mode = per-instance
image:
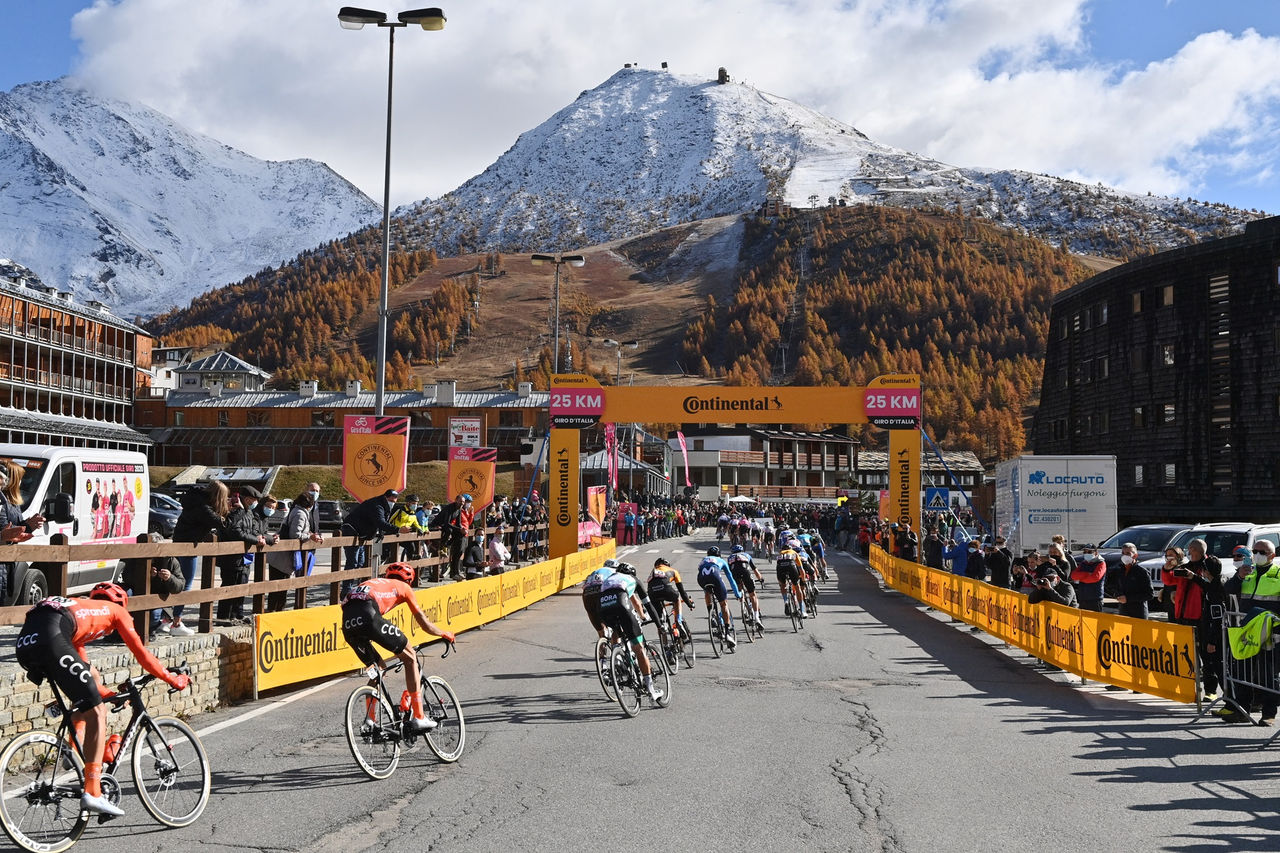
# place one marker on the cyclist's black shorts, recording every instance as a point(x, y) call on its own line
point(788, 572)
point(616, 612)
point(591, 601)
point(742, 574)
point(713, 584)
point(363, 627)
point(662, 594)
point(44, 650)
point(768, 534)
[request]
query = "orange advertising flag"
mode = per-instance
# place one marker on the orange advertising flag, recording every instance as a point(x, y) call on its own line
point(375, 454)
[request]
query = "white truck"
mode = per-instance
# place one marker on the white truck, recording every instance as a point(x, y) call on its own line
point(1038, 497)
point(89, 495)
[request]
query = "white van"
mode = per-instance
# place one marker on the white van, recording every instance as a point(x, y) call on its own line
point(88, 494)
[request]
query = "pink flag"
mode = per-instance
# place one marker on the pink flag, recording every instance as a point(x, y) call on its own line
point(684, 450)
point(611, 452)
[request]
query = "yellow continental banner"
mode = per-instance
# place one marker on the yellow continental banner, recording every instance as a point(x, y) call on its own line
point(734, 404)
point(1148, 656)
point(301, 645)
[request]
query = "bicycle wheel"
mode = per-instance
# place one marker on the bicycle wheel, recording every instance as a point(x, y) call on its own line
point(374, 740)
point(686, 647)
point(714, 630)
point(602, 669)
point(670, 646)
point(813, 599)
point(745, 619)
point(661, 674)
point(626, 677)
point(41, 780)
point(794, 607)
point(441, 704)
point(170, 771)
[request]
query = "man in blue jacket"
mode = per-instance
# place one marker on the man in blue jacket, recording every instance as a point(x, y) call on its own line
point(958, 554)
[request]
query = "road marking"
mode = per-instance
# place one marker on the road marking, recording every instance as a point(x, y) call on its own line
point(272, 706)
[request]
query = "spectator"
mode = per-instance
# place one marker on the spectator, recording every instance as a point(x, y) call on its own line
point(1198, 591)
point(283, 564)
point(933, 550)
point(1059, 556)
point(1023, 574)
point(16, 528)
point(910, 547)
point(999, 566)
point(313, 491)
point(203, 511)
point(244, 524)
point(975, 564)
point(368, 519)
point(1088, 577)
point(473, 557)
point(498, 552)
point(454, 523)
point(405, 517)
point(1134, 597)
point(1049, 586)
point(958, 554)
point(1261, 588)
point(164, 578)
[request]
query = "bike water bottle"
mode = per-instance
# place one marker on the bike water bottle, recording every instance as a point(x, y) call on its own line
point(111, 749)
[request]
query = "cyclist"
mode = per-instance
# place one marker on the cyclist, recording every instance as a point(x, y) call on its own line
point(711, 574)
point(667, 587)
point(742, 567)
point(51, 645)
point(819, 549)
point(364, 626)
point(619, 606)
point(591, 593)
point(766, 537)
point(788, 567)
point(755, 535)
point(722, 525)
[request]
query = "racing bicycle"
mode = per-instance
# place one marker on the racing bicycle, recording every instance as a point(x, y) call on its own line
point(629, 681)
point(750, 619)
point(677, 646)
point(42, 773)
point(717, 629)
point(378, 725)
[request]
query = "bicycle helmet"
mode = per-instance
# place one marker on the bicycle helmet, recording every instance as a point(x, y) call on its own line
point(627, 569)
point(713, 551)
point(400, 572)
point(611, 564)
point(737, 549)
point(113, 592)
point(661, 561)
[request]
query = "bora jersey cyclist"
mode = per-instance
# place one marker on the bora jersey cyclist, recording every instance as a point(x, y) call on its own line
point(365, 626)
point(619, 604)
point(591, 594)
point(51, 645)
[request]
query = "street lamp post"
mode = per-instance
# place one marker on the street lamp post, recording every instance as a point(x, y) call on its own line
point(352, 18)
point(618, 345)
point(559, 261)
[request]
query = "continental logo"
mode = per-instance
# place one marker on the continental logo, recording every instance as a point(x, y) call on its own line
point(1069, 639)
point(457, 607)
point(510, 591)
point(272, 649)
point(486, 599)
point(562, 484)
point(694, 404)
point(1166, 660)
point(434, 611)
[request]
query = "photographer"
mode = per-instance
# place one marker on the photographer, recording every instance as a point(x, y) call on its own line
point(1197, 586)
point(1050, 587)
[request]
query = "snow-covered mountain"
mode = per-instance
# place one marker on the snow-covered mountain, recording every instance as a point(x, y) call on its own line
point(115, 202)
point(647, 149)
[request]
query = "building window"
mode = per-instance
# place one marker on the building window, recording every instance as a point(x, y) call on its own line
point(1168, 413)
point(1063, 378)
point(224, 418)
point(322, 417)
point(1102, 422)
point(1170, 473)
point(1101, 312)
point(1062, 329)
point(1166, 354)
point(1139, 416)
point(1136, 302)
point(179, 418)
point(1139, 476)
point(1166, 295)
point(258, 418)
point(1101, 367)
point(1138, 359)
point(1084, 371)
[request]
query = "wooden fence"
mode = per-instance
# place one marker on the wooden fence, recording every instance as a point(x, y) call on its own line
point(53, 559)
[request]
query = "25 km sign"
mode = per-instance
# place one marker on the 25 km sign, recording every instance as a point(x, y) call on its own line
point(577, 401)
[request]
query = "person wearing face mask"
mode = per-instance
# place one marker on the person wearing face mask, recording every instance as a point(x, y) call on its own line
point(1087, 577)
point(1261, 589)
point(368, 519)
point(1201, 578)
point(1134, 596)
point(406, 516)
point(283, 564)
point(244, 524)
point(313, 491)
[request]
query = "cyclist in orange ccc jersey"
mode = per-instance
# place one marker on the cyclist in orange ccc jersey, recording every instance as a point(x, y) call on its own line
point(51, 645)
point(364, 626)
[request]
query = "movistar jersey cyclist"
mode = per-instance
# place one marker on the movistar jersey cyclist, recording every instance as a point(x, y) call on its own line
point(619, 607)
point(711, 574)
point(667, 587)
point(745, 574)
point(51, 645)
point(364, 626)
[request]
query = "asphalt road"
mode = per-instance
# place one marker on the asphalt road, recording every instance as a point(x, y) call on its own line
point(878, 727)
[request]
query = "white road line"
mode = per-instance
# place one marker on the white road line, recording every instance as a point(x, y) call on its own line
point(272, 706)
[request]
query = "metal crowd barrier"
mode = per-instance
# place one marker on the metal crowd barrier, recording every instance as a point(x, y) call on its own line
point(1243, 680)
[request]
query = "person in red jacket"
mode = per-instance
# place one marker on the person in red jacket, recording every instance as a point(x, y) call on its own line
point(364, 626)
point(51, 645)
point(1088, 577)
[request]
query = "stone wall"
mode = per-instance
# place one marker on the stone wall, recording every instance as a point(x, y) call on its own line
point(221, 668)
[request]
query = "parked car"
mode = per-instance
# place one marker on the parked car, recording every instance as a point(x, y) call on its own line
point(276, 521)
point(1151, 539)
point(331, 515)
point(164, 514)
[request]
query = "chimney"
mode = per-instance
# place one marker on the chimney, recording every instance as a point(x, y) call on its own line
point(524, 389)
point(214, 388)
point(353, 387)
point(308, 388)
point(64, 295)
point(446, 392)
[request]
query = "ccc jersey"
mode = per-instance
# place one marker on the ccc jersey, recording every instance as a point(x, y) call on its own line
point(96, 618)
point(384, 592)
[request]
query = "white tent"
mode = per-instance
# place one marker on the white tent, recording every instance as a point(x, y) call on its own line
point(741, 499)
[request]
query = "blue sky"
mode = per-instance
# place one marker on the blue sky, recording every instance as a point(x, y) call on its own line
point(1178, 97)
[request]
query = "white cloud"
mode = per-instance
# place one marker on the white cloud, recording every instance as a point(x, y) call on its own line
point(972, 82)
